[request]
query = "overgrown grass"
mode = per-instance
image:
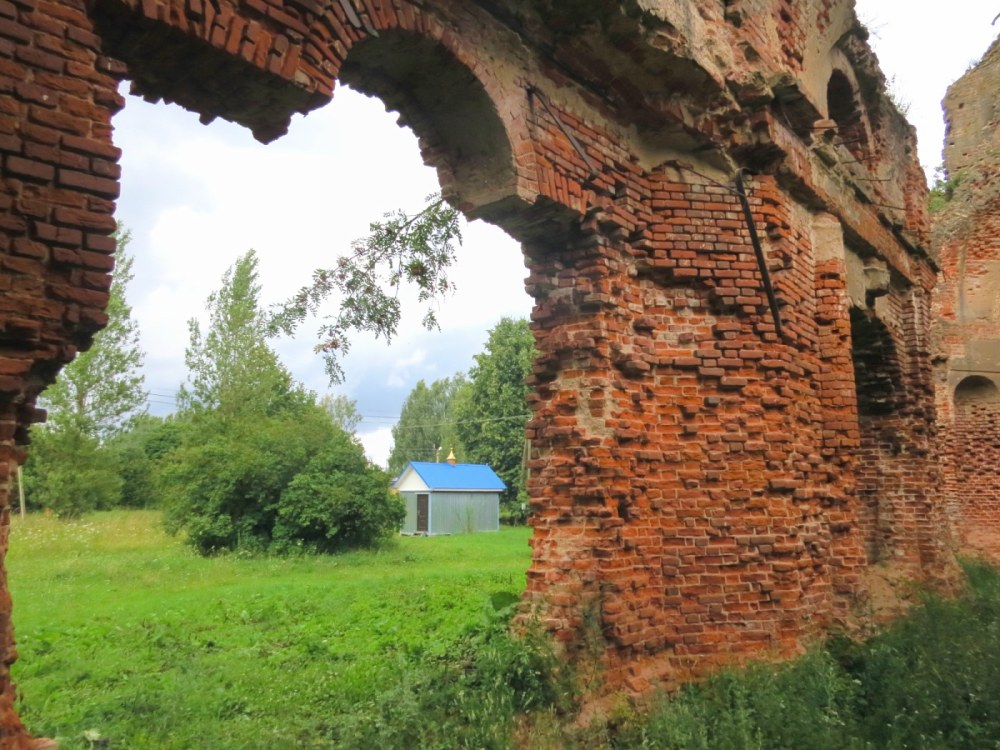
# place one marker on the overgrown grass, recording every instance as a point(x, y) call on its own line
point(126, 633)
point(130, 640)
point(931, 682)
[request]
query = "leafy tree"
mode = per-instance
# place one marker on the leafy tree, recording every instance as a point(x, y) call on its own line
point(95, 399)
point(402, 250)
point(140, 453)
point(101, 391)
point(339, 500)
point(343, 411)
point(247, 428)
point(232, 371)
point(224, 483)
point(71, 473)
point(943, 189)
point(491, 417)
point(426, 422)
point(251, 432)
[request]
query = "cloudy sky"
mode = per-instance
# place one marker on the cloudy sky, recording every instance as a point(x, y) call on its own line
point(196, 197)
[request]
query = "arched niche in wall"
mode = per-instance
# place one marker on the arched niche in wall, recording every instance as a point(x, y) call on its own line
point(844, 108)
point(976, 389)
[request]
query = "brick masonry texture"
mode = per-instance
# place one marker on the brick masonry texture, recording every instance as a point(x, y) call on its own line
point(967, 319)
point(706, 489)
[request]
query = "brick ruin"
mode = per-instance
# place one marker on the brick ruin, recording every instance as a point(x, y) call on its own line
point(712, 475)
point(967, 316)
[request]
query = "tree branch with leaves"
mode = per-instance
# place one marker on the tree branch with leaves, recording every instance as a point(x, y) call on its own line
point(401, 250)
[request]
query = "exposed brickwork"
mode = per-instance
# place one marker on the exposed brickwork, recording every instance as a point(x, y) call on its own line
point(970, 469)
point(705, 489)
point(967, 320)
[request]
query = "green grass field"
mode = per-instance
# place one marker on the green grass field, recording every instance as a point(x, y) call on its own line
point(127, 639)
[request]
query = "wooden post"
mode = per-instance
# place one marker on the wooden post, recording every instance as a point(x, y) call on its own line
point(20, 489)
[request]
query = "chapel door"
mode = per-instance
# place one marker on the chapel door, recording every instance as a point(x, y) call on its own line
point(423, 512)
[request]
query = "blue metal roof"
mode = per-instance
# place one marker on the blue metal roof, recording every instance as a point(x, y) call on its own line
point(444, 476)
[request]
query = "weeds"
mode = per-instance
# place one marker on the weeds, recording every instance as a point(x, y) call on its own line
point(930, 682)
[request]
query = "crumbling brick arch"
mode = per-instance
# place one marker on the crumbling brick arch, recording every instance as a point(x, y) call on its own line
point(446, 105)
point(446, 89)
point(694, 504)
point(971, 457)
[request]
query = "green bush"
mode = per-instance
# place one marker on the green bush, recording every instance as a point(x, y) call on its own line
point(223, 485)
point(338, 501)
point(930, 682)
point(472, 698)
point(933, 681)
point(943, 190)
point(140, 453)
point(808, 703)
point(281, 483)
point(70, 473)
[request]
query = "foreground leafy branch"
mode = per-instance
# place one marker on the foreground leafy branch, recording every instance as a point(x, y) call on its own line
point(415, 251)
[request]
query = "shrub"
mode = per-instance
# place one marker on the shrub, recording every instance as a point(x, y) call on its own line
point(931, 681)
point(141, 452)
point(473, 698)
point(338, 501)
point(70, 473)
point(223, 485)
point(808, 703)
point(943, 190)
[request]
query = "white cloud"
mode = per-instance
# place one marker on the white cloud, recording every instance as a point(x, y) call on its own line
point(923, 48)
point(378, 444)
point(403, 367)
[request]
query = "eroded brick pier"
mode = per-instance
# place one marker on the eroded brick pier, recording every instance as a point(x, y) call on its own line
point(705, 489)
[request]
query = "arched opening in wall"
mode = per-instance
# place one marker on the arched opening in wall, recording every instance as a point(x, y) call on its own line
point(447, 107)
point(844, 108)
point(969, 463)
point(976, 389)
point(304, 635)
point(878, 384)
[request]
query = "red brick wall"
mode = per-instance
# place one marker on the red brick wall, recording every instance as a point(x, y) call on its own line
point(902, 517)
point(59, 182)
point(689, 488)
point(970, 473)
point(966, 318)
point(705, 489)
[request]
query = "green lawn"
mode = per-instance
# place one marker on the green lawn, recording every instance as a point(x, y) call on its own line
point(127, 639)
point(130, 641)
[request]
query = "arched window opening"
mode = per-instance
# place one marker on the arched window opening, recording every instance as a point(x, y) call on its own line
point(844, 109)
